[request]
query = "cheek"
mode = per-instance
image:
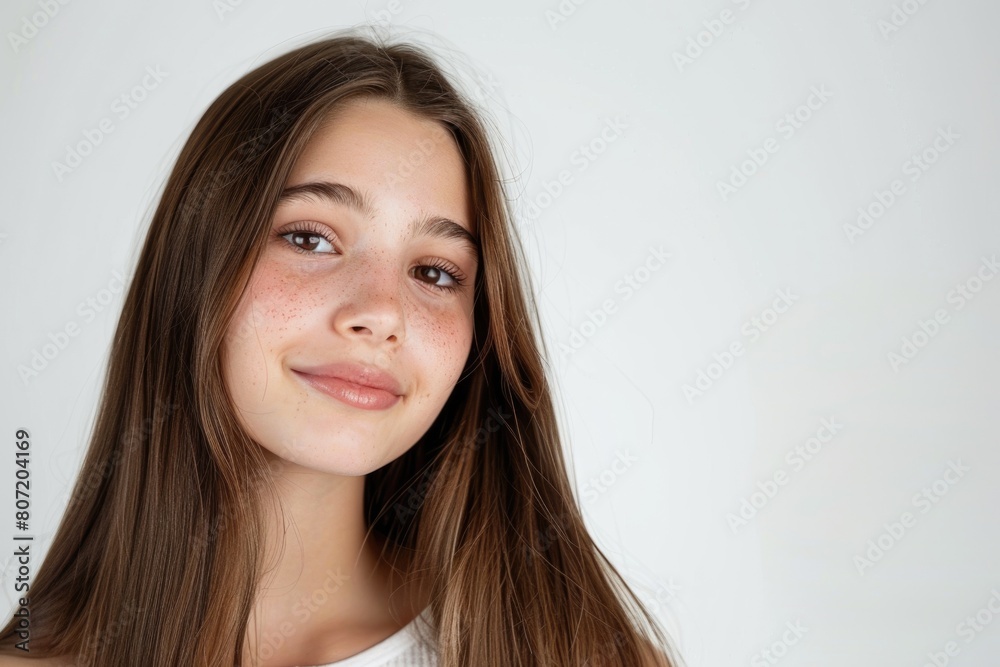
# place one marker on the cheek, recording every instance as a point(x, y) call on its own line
point(270, 305)
point(446, 337)
point(266, 309)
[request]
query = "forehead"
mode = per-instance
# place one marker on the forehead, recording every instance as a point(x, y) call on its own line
point(401, 159)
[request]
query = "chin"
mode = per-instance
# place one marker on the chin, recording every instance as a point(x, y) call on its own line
point(343, 463)
point(338, 451)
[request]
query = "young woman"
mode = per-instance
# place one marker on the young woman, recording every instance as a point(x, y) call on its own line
point(325, 435)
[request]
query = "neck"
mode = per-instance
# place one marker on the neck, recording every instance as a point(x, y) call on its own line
point(326, 591)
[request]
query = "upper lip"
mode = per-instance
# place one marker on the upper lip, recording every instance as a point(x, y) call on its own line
point(368, 376)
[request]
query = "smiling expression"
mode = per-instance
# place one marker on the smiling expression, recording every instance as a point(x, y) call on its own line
point(370, 260)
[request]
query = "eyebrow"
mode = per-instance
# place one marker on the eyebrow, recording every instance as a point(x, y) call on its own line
point(432, 225)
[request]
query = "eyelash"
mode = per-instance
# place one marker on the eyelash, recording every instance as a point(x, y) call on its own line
point(311, 228)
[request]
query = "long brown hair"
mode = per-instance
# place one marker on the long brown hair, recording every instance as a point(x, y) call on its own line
point(144, 570)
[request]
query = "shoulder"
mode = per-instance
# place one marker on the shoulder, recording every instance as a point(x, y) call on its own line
point(7, 660)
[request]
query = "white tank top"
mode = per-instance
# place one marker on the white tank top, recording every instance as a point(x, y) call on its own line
point(400, 649)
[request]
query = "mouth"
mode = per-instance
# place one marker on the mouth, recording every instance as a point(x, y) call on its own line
point(362, 387)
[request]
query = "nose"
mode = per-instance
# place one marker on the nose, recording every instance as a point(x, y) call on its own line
point(373, 309)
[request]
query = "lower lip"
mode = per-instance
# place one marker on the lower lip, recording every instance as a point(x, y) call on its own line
point(355, 395)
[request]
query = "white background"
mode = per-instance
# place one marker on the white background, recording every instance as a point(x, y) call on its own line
point(552, 81)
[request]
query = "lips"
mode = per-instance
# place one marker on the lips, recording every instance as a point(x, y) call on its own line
point(361, 386)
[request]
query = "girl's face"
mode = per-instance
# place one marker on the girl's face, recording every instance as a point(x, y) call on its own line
point(367, 279)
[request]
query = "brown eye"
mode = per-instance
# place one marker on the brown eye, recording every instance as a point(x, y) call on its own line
point(308, 242)
point(435, 273)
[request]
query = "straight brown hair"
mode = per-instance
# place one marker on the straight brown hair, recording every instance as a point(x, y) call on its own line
point(146, 568)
